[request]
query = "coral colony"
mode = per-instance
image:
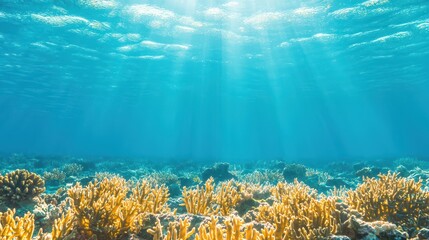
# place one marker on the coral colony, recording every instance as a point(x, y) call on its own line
point(392, 205)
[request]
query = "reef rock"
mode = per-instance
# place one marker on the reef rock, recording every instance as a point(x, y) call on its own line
point(292, 171)
point(375, 230)
point(219, 172)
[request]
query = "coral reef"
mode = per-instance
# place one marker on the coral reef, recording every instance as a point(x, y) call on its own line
point(374, 230)
point(411, 163)
point(292, 171)
point(101, 210)
point(20, 185)
point(72, 169)
point(201, 199)
point(56, 176)
point(108, 209)
point(232, 228)
point(12, 227)
point(391, 198)
point(297, 213)
point(265, 176)
point(257, 203)
point(219, 172)
point(209, 200)
point(176, 230)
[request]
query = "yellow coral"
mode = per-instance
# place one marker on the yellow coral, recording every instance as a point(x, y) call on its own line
point(177, 230)
point(206, 201)
point(210, 230)
point(15, 227)
point(63, 227)
point(99, 206)
point(232, 229)
point(104, 210)
point(390, 198)
point(151, 199)
point(298, 214)
point(297, 192)
point(20, 185)
point(227, 197)
point(201, 199)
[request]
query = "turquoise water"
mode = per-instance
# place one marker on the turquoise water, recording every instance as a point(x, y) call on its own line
point(238, 80)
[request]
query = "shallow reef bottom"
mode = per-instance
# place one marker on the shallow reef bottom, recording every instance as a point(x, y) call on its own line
point(73, 198)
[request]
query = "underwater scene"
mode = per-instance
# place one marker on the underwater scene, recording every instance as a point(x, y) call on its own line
point(214, 120)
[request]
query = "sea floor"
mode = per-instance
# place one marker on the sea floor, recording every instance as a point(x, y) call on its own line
point(107, 198)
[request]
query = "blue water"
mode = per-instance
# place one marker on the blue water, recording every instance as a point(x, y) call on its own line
point(238, 80)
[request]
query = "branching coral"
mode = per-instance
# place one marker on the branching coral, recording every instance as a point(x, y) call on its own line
point(150, 199)
point(254, 191)
point(113, 208)
point(102, 210)
point(292, 171)
point(63, 227)
point(264, 176)
point(12, 227)
point(162, 178)
point(390, 198)
point(227, 197)
point(232, 229)
point(72, 169)
point(206, 200)
point(177, 230)
point(297, 193)
point(20, 185)
point(201, 199)
point(54, 175)
point(298, 214)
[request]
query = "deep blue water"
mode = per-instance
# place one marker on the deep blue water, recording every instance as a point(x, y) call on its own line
point(215, 79)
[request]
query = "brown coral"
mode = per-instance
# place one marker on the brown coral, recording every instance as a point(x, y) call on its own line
point(20, 185)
